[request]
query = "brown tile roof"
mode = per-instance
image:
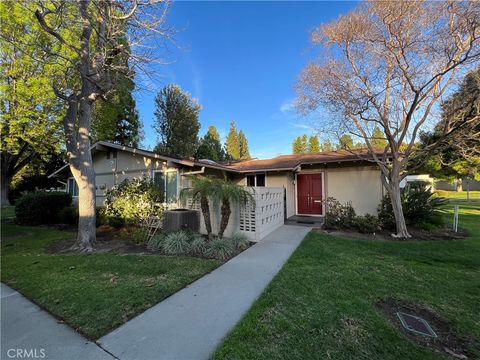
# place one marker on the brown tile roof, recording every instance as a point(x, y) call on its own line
point(289, 162)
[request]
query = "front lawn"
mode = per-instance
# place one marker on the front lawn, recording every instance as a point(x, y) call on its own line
point(322, 303)
point(92, 293)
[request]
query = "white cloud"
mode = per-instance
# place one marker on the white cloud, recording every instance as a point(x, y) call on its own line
point(287, 106)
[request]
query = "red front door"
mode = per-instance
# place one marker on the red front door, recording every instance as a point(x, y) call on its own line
point(309, 194)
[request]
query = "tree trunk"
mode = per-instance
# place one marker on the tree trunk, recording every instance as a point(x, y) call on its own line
point(81, 166)
point(459, 185)
point(85, 179)
point(4, 189)
point(206, 215)
point(226, 211)
point(393, 188)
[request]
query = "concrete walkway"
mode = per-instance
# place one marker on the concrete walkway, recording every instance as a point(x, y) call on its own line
point(30, 332)
point(192, 323)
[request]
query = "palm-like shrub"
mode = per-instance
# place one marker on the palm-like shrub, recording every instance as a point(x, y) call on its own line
point(227, 192)
point(201, 190)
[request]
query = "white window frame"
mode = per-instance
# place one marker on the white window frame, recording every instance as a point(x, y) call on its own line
point(164, 171)
point(68, 187)
point(255, 174)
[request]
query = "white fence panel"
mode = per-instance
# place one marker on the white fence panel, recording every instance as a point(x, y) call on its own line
point(254, 221)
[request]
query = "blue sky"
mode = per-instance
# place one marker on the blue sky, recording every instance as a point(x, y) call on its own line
point(241, 61)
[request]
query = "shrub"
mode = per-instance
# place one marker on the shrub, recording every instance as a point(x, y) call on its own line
point(130, 202)
point(198, 244)
point(220, 248)
point(68, 215)
point(239, 241)
point(338, 216)
point(139, 235)
point(156, 242)
point(176, 243)
point(367, 224)
point(41, 207)
point(418, 202)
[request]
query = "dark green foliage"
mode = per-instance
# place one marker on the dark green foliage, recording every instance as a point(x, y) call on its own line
point(116, 118)
point(220, 248)
point(338, 216)
point(68, 215)
point(210, 146)
point(139, 235)
point(41, 207)
point(243, 143)
point(367, 224)
point(176, 121)
point(177, 243)
point(418, 202)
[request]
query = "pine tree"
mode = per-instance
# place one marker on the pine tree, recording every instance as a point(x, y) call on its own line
point(212, 130)
point(313, 144)
point(378, 140)
point(210, 146)
point(116, 119)
point(345, 142)
point(304, 143)
point(176, 121)
point(297, 145)
point(327, 145)
point(232, 143)
point(244, 152)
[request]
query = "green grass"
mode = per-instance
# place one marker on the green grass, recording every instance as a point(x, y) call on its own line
point(474, 195)
point(92, 293)
point(321, 304)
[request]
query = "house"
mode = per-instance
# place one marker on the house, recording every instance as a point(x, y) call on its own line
point(285, 187)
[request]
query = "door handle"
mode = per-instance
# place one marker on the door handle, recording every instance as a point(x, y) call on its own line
point(317, 201)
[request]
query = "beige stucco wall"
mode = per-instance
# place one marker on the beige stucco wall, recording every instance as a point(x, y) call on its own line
point(125, 165)
point(360, 186)
point(286, 180)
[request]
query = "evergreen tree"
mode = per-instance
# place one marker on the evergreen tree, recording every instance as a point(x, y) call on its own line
point(313, 144)
point(297, 145)
point(327, 145)
point(212, 130)
point(345, 142)
point(378, 140)
point(210, 146)
point(116, 119)
point(304, 142)
point(176, 121)
point(232, 143)
point(244, 152)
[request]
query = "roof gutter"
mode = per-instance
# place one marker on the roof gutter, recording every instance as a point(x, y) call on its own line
point(201, 171)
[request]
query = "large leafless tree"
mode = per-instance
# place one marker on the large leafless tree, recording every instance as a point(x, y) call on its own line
point(388, 64)
point(93, 36)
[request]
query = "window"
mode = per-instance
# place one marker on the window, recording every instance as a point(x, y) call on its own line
point(167, 183)
point(256, 180)
point(72, 187)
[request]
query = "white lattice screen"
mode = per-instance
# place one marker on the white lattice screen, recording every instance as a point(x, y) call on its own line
point(255, 221)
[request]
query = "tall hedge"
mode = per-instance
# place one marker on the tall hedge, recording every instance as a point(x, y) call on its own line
point(41, 207)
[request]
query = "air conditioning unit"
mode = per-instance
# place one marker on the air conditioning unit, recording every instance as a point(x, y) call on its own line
point(181, 219)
